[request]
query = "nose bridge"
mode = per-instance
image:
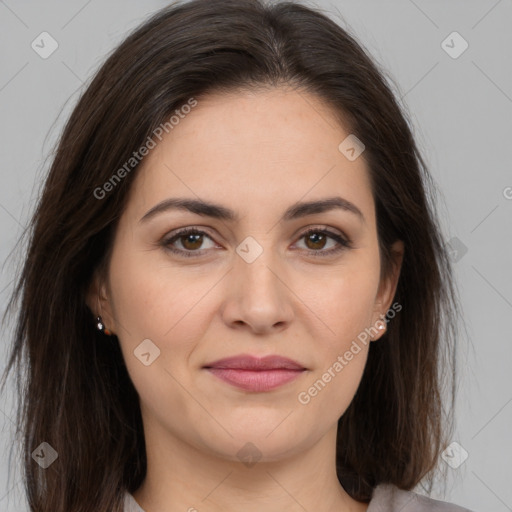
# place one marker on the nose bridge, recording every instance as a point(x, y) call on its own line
point(258, 294)
point(257, 266)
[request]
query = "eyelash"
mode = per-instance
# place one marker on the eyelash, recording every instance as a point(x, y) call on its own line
point(343, 243)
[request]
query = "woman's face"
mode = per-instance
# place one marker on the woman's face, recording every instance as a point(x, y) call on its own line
point(251, 285)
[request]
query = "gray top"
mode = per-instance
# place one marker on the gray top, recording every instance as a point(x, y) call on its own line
point(386, 498)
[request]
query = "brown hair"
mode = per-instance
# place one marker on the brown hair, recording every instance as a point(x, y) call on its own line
point(74, 388)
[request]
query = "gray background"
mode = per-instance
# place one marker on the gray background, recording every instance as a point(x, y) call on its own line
point(461, 109)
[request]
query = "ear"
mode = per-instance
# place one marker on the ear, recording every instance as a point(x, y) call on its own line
point(387, 286)
point(97, 300)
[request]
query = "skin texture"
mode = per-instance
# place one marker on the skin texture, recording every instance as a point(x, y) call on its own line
point(256, 153)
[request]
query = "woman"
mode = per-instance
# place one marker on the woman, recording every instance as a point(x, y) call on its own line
point(236, 294)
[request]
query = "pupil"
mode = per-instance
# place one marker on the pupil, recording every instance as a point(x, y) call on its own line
point(192, 239)
point(316, 238)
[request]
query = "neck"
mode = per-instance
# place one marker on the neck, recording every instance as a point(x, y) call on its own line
point(181, 477)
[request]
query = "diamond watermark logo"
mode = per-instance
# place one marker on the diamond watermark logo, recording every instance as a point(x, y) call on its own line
point(147, 352)
point(456, 249)
point(454, 455)
point(249, 249)
point(249, 455)
point(45, 455)
point(351, 147)
point(454, 45)
point(44, 45)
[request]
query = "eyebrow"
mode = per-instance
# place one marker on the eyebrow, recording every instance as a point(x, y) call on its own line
point(217, 211)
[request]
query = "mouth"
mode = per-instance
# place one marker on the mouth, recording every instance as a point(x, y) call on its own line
point(256, 374)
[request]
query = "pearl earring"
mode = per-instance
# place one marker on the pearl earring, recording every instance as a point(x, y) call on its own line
point(101, 326)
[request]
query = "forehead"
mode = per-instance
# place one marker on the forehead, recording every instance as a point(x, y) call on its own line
point(267, 147)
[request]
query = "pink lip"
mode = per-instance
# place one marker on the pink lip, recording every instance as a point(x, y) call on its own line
point(256, 374)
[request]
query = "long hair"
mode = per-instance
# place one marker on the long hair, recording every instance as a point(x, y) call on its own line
point(75, 391)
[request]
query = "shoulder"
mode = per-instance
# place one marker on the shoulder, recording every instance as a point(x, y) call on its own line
point(388, 498)
point(130, 505)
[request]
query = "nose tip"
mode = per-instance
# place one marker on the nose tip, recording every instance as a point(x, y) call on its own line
point(257, 296)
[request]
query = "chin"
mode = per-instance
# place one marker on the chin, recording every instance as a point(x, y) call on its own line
point(259, 442)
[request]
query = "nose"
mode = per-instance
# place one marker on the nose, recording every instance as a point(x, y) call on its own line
point(257, 296)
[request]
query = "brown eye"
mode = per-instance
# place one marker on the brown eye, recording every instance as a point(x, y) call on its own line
point(191, 241)
point(316, 240)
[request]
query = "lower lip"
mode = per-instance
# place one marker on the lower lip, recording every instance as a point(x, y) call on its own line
point(256, 380)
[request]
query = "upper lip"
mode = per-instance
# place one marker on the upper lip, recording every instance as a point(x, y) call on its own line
point(248, 362)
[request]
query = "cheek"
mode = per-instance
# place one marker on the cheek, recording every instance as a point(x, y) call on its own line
point(164, 304)
point(350, 309)
point(158, 303)
point(151, 297)
point(330, 390)
point(341, 354)
point(344, 300)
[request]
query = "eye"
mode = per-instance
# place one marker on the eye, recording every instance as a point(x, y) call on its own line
point(192, 239)
point(316, 240)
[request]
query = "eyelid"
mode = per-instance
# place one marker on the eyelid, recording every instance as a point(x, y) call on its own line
point(176, 234)
point(342, 240)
